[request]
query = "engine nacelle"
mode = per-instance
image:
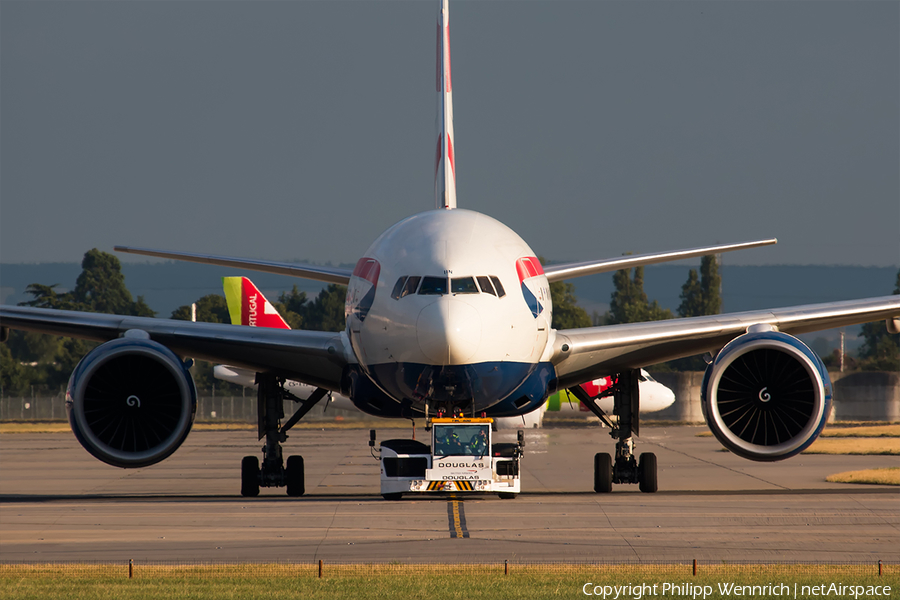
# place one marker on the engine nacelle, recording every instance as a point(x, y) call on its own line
point(131, 401)
point(766, 396)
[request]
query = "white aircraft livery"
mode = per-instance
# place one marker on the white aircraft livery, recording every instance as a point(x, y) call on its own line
point(247, 305)
point(448, 313)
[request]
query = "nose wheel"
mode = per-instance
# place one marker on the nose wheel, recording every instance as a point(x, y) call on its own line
point(625, 468)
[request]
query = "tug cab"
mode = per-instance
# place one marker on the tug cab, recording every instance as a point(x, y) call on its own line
point(462, 458)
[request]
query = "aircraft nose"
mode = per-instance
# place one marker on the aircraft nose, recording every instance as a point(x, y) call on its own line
point(449, 331)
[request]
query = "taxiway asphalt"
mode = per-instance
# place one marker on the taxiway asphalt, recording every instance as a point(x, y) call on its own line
point(57, 503)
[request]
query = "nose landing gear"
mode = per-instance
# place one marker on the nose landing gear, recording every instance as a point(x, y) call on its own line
point(626, 406)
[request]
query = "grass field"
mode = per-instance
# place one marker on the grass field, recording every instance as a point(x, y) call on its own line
point(849, 431)
point(485, 582)
point(878, 446)
point(864, 431)
point(887, 476)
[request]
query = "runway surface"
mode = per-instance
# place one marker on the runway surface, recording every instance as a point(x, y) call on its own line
point(57, 503)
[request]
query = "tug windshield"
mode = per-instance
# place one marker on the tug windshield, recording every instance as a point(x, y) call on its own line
point(461, 440)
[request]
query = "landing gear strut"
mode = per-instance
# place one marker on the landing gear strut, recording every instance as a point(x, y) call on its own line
point(270, 410)
point(625, 469)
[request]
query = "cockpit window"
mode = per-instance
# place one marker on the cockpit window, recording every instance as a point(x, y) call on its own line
point(485, 284)
point(398, 287)
point(438, 286)
point(463, 285)
point(433, 286)
point(498, 286)
point(411, 284)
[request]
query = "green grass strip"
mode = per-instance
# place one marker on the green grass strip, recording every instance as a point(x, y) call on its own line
point(485, 582)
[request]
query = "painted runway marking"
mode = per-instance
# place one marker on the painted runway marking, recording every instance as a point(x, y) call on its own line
point(456, 514)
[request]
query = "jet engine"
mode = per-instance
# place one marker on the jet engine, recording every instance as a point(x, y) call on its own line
point(766, 396)
point(131, 401)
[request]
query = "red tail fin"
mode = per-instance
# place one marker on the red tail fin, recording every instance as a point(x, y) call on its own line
point(248, 306)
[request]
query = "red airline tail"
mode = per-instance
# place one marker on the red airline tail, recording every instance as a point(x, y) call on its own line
point(248, 306)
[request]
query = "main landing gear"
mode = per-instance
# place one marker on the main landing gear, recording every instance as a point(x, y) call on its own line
point(275, 472)
point(625, 469)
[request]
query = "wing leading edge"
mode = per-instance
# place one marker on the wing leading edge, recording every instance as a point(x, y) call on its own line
point(563, 271)
point(314, 357)
point(326, 274)
point(584, 354)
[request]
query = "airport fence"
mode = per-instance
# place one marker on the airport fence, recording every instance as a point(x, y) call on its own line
point(675, 570)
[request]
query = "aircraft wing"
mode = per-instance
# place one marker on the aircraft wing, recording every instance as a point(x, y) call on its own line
point(562, 271)
point(585, 354)
point(316, 273)
point(314, 357)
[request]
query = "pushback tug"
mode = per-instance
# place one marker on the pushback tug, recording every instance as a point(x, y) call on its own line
point(462, 458)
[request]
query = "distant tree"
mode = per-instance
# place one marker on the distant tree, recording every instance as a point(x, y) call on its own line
point(71, 351)
point(700, 295)
point(292, 306)
point(14, 377)
point(211, 308)
point(326, 312)
point(629, 301)
point(566, 312)
point(101, 287)
point(710, 284)
point(46, 296)
point(30, 347)
point(880, 350)
point(691, 296)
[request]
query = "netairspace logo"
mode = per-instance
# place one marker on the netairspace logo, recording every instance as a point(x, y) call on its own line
point(683, 591)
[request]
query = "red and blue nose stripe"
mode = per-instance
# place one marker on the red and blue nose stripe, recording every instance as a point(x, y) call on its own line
point(528, 267)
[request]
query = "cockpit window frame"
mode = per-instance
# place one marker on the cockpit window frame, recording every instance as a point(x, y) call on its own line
point(473, 289)
point(428, 283)
point(498, 286)
point(411, 285)
point(485, 285)
point(396, 293)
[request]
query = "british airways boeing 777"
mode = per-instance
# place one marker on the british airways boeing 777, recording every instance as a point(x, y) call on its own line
point(449, 312)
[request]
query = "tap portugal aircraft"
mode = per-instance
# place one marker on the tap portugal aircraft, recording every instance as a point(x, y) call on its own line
point(448, 312)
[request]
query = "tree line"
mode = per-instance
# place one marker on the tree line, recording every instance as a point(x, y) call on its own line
point(32, 359)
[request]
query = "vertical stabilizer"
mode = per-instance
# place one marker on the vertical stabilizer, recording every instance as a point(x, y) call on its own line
point(444, 168)
point(248, 306)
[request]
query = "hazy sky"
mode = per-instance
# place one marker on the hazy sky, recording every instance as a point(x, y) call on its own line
point(301, 130)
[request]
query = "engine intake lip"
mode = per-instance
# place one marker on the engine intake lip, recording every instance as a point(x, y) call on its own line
point(721, 414)
point(155, 433)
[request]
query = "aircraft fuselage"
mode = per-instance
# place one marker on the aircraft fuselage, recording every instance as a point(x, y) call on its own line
point(451, 307)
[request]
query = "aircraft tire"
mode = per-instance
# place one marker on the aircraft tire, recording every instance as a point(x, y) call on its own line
point(647, 473)
point(294, 476)
point(602, 473)
point(249, 476)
